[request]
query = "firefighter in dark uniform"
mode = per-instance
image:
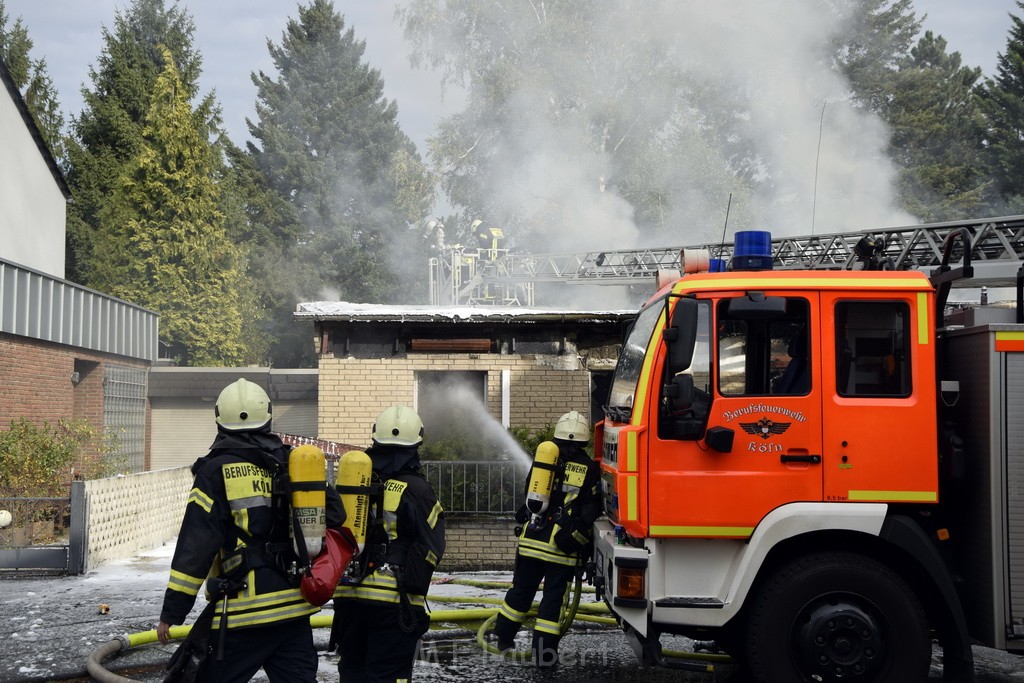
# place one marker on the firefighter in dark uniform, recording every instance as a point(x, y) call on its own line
point(553, 547)
point(380, 613)
point(235, 530)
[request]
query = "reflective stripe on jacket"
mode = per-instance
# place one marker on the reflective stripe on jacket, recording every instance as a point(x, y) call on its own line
point(574, 502)
point(230, 509)
point(413, 525)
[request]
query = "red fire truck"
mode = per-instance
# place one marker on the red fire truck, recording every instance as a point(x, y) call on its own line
point(823, 471)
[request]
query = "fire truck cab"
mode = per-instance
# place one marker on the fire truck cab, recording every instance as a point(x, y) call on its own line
point(780, 475)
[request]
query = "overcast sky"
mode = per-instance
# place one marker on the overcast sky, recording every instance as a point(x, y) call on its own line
point(232, 34)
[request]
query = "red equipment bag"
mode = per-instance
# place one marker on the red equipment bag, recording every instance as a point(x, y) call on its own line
point(318, 584)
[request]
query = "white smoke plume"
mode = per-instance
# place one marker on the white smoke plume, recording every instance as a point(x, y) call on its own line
point(762, 67)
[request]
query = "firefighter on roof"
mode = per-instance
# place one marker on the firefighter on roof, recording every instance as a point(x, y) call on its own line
point(380, 603)
point(236, 532)
point(561, 505)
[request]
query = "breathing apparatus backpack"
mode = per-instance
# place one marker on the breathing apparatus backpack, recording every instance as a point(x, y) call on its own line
point(362, 496)
point(314, 557)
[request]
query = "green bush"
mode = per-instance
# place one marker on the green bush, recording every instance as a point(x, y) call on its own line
point(36, 461)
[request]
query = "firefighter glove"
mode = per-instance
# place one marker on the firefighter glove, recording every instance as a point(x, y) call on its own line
point(522, 515)
point(569, 542)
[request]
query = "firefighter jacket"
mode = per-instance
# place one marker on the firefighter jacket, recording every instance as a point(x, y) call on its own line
point(563, 530)
point(236, 526)
point(405, 540)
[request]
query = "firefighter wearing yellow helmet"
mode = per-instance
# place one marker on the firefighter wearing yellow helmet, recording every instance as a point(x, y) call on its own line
point(379, 607)
point(235, 536)
point(554, 537)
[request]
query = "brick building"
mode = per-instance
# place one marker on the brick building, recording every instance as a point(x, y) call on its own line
point(525, 366)
point(65, 351)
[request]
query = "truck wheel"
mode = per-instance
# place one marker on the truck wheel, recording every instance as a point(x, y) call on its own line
point(837, 617)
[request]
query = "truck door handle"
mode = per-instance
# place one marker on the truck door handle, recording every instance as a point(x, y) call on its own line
point(813, 459)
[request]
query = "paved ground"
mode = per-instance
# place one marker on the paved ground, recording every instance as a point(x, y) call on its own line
point(50, 624)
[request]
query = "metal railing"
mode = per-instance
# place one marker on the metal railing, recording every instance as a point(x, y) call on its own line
point(44, 533)
point(462, 486)
point(478, 486)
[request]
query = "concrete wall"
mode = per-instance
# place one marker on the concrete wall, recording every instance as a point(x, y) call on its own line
point(32, 206)
point(353, 391)
point(130, 514)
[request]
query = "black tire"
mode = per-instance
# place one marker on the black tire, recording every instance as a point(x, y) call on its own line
point(837, 616)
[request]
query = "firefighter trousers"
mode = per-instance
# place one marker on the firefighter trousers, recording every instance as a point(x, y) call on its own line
point(529, 572)
point(372, 645)
point(285, 651)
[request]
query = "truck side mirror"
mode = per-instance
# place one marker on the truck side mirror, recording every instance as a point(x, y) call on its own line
point(679, 392)
point(680, 336)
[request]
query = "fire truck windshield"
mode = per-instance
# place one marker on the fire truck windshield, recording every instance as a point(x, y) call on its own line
point(631, 361)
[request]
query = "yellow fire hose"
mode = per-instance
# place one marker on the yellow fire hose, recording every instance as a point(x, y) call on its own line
point(572, 611)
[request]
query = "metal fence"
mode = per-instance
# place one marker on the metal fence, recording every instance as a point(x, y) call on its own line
point(44, 533)
point(476, 486)
point(462, 486)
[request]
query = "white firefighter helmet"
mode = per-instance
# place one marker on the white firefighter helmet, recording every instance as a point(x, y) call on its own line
point(243, 405)
point(398, 426)
point(573, 427)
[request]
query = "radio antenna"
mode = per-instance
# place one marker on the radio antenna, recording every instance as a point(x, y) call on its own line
point(721, 247)
point(817, 159)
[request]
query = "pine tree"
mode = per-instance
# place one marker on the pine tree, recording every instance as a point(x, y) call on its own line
point(877, 36)
point(1002, 101)
point(108, 132)
point(328, 142)
point(937, 134)
point(166, 246)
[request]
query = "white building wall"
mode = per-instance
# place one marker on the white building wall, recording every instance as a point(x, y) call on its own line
point(32, 206)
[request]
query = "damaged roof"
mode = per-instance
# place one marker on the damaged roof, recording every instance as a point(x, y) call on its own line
point(344, 311)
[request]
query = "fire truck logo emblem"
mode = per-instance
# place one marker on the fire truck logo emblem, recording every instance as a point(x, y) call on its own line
point(765, 428)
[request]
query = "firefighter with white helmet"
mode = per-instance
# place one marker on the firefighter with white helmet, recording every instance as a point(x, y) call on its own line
point(379, 605)
point(561, 505)
point(235, 536)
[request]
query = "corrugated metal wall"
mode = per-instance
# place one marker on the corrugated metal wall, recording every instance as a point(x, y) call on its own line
point(1014, 421)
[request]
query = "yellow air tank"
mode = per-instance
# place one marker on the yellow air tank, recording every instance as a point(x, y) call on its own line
point(355, 470)
point(538, 493)
point(307, 470)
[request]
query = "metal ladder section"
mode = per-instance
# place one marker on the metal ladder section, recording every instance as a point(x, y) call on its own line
point(997, 248)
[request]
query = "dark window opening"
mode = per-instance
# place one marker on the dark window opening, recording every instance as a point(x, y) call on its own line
point(764, 357)
point(873, 357)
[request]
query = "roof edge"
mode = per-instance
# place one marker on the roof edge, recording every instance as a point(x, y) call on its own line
point(33, 128)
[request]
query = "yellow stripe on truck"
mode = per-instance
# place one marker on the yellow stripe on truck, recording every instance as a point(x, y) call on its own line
point(640, 398)
point(908, 496)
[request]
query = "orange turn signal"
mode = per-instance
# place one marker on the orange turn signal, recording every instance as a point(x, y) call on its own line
point(631, 583)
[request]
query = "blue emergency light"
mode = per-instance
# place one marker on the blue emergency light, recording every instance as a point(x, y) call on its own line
point(752, 250)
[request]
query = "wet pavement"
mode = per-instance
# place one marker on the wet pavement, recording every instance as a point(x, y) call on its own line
point(50, 624)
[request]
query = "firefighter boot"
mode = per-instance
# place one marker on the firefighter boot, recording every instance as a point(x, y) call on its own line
point(545, 650)
point(504, 633)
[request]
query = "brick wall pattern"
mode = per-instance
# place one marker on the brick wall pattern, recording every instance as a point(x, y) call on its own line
point(478, 543)
point(130, 514)
point(353, 391)
point(37, 382)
